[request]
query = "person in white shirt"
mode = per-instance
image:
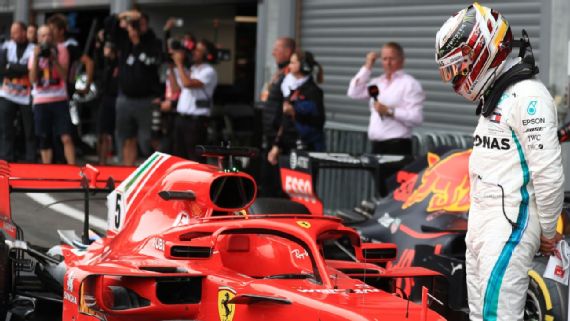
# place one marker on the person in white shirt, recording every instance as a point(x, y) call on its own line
point(398, 106)
point(394, 112)
point(196, 99)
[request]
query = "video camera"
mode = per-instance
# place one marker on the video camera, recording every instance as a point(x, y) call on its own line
point(175, 44)
point(134, 23)
point(187, 46)
point(46, 49)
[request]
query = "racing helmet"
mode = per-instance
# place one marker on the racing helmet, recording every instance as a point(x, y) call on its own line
point(471, 49)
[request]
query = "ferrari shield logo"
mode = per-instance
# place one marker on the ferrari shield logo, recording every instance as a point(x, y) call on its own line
point(226, 310)
point(304, 224)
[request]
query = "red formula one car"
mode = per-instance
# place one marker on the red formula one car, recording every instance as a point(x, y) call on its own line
point(185, 243)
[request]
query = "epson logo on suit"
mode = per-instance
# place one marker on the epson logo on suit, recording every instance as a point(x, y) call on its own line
point(533, 121)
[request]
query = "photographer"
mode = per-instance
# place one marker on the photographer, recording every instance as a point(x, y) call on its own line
point(48, 70)
point(195, 102)
point(173, 90)
point(140, 56)
point(58, 26)
point(15, 93)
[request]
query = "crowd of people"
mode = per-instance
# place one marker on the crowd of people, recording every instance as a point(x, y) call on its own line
point(39, 67)
point(294, 111)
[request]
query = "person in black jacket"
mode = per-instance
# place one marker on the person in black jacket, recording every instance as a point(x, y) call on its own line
point(303, 105)
point(140, 55)
point(15, 94)
point(272, 119)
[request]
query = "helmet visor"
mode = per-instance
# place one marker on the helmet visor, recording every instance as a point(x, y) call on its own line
point(451, 66)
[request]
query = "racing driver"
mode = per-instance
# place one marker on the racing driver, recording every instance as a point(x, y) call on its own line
point(515, 167)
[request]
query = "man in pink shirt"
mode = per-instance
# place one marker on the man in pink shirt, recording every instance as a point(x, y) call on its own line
point(48, 67)
point(398, 107)
point(395, 111)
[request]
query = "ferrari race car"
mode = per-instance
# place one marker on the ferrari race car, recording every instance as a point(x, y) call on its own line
point(185, 241)
point(426, 217)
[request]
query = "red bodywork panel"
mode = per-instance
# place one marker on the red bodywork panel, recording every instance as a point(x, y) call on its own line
point(34, 177)
point(182, 246)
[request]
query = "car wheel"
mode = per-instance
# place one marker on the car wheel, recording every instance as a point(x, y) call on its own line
point(546, 299)
point(5, 276)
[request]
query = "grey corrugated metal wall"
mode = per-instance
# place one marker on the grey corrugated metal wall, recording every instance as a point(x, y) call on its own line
point(75, 4)
point(340, 33)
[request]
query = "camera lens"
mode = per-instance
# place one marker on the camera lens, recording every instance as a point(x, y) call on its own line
point(45, 50)
point(176, 45)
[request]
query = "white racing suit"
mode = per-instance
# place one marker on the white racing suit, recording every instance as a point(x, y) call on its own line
point(516, 174)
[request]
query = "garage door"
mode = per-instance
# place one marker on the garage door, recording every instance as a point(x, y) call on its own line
point(340, 33)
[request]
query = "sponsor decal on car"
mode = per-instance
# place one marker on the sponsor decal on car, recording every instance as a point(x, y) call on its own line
point(390, 222)
point(159, 244)
point(445, 182)
point(226, 310)
point(181, 219)
point(69, 297)
point(299, 187)
point(298, 254)
point(296, 161)
point(304, 224)
point(70, 280)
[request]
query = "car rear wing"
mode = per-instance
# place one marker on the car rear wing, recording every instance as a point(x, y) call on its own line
point(37, 178)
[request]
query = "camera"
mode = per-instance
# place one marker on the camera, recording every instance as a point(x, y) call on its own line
point(175, 44)
point(45, 50)
point(179, 22)
point(179, 45)
point(135, 24)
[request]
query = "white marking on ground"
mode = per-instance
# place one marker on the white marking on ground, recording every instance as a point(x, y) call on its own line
point(46, 199)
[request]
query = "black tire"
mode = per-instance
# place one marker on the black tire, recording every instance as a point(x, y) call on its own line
point(5, 276)
point(546, 299)
point(273, 205)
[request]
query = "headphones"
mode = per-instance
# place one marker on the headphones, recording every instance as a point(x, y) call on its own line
point(306, 67)
point(210, 54)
